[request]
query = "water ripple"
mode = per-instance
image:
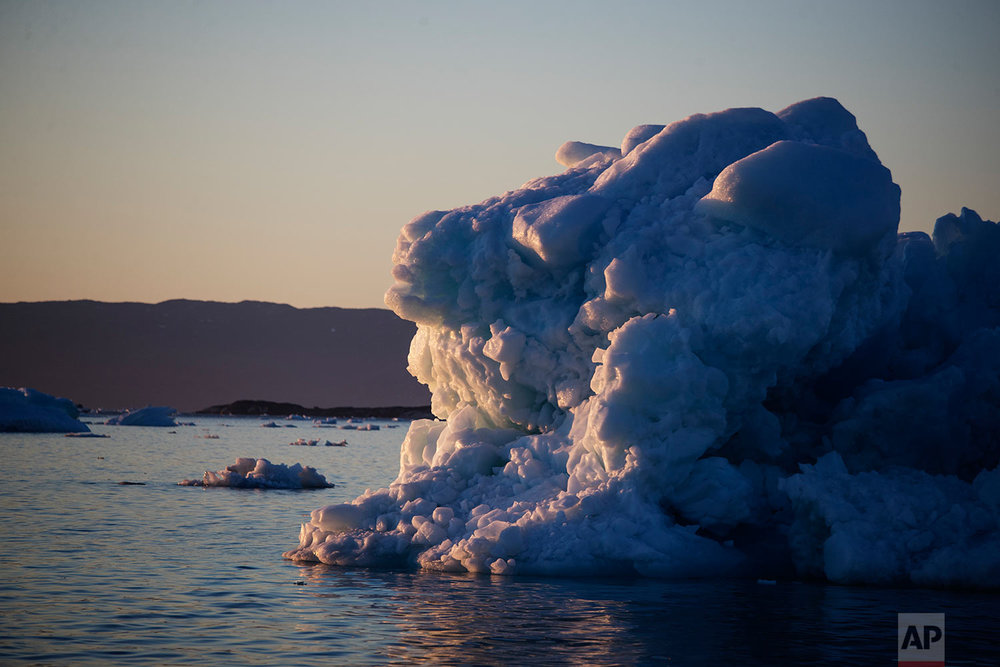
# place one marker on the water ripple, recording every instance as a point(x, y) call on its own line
point(95, 573)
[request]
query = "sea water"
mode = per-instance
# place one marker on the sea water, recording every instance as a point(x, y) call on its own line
point(96, 572)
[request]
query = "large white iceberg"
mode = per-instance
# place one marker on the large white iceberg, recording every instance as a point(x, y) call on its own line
point(151, 415)
point(250, 473)
point(31, 411)
point(710, 354)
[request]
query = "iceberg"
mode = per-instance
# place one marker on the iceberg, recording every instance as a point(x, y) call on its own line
point(708, 353)
point(249, 473)
point(30, 411)
point(147, 416)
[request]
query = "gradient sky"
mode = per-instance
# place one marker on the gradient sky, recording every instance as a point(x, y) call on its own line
point(272, 150)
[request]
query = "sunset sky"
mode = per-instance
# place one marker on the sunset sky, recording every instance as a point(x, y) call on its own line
point(272, 150)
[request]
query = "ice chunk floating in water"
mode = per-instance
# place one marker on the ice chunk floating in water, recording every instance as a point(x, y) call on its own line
point(248, 473)
point(150, 415)
point(708, 353)
point(31, 411)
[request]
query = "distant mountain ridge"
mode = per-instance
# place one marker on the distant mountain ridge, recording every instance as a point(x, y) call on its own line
point(270, 408)
point(193, 354)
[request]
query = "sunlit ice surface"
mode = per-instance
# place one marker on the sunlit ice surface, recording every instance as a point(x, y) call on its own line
point(706, 352)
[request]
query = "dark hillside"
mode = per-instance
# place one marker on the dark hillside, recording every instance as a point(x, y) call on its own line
point(191, 354)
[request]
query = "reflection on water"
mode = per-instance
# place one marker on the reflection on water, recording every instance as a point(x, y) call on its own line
point(96, 573)
point(474, 619)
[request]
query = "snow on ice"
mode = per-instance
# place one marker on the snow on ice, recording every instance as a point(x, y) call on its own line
point(30, 411)
point(249, 473)
point(706, 353)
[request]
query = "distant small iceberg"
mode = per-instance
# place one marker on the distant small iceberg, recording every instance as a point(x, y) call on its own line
point(147, 416)
point(354, 426)
point(30, 411)
point(250, 473)
point(276, 425)
point(303, 442)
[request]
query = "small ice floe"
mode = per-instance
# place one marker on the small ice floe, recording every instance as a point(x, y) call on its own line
point(357, 425)
point(329, 421)
point(87, 434)
point(250, 473)
point(269, 425)
point(148, 416)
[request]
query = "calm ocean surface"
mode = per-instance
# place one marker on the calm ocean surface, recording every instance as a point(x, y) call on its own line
point(94, 572)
